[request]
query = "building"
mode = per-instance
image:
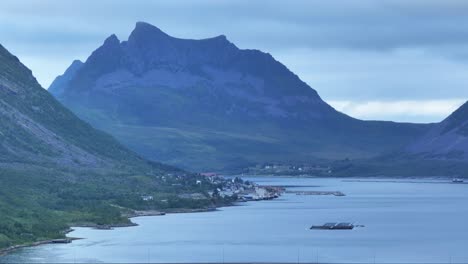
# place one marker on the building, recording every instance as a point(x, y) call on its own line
point(147, 197)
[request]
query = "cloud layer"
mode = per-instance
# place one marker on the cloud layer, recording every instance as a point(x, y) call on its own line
point(356, 50)
point(404, 111)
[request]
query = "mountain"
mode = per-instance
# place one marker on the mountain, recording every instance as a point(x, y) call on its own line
point(36, 129)
point(62, 80)
point(208, 105)
point(442, 151)
point(447, 140)
point(56, 170)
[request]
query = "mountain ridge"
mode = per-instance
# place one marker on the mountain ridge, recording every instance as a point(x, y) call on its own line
point(440, 152)
point(60, 80)
point(448, 140)
point(173, 100)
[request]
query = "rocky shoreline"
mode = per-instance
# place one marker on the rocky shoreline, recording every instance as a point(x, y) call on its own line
point(10, 249)
point(133, 214)
point(138, 213)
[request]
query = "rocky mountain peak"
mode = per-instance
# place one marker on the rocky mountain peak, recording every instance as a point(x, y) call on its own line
point(143, 31)
point(112, 40)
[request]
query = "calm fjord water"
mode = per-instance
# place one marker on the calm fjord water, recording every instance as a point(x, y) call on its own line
point(420, 221)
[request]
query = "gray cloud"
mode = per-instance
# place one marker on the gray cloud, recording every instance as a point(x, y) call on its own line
point(347, 50)
point(365, 24)
point(406, 111)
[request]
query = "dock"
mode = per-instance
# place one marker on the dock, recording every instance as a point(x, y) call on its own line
point(335, 193)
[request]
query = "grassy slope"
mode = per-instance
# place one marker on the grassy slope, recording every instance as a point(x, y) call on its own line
point(56, 169)
point(162, 131)
point(39, 203)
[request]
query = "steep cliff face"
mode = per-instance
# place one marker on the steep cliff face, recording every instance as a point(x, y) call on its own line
point(206, 104)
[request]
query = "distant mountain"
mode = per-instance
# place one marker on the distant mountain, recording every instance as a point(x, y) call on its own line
point(447, 140)
point(206, 104)
point(61, 81)
point(441, 151)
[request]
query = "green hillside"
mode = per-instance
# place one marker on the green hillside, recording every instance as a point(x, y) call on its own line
point(56, 170)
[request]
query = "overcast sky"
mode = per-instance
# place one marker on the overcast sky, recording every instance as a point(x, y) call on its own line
point(388, 60)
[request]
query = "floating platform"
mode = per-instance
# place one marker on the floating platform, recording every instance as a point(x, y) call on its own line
point(334, 226)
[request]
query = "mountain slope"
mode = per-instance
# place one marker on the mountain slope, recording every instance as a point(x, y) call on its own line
point(206, 104)
point(55, 169)
point(36, 129)
point(447, 140)
point(61, 81)
point(442, 151)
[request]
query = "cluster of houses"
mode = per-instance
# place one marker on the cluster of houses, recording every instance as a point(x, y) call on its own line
point(147, 198)
point(235, 187)
point(245, 190)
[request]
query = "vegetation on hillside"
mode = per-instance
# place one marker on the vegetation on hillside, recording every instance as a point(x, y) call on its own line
point(56, 170)
point(39, 203)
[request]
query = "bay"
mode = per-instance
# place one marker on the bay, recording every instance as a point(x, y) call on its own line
point(416, 221)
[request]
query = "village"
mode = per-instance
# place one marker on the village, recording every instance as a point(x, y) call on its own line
point(243, 190)
point(235, 189)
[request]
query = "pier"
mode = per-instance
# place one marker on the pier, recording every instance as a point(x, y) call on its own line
point(335, 193)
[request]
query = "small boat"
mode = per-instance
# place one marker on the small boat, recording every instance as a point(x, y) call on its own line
point(457, 180)
point(334, 226)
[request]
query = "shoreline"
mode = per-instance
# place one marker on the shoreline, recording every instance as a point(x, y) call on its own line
point(140, 213)
point(129, 216)
point(308, 176)
point(11, 249)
